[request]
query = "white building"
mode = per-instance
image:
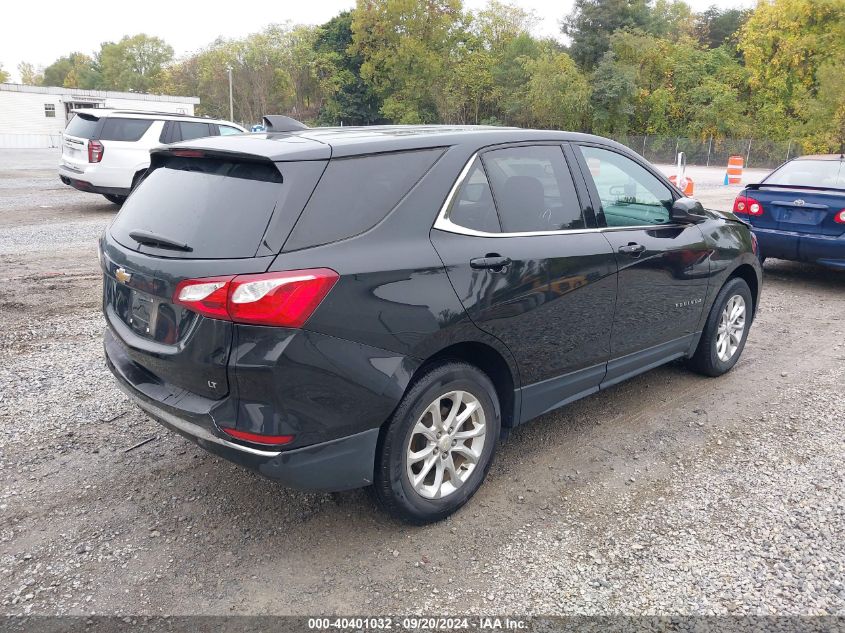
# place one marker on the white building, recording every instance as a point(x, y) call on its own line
point(34, 116)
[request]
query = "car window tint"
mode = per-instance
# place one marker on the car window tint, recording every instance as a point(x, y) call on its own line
point(191, 130)
point(472, 207)
point(356, 193)
point(810, 173)
point(220, 207)
point(630, 195)
point(81, 126)
point(533, 189)
point(115, 129)
point(228, 130)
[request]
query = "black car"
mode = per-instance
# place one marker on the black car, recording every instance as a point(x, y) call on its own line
point(338, 308)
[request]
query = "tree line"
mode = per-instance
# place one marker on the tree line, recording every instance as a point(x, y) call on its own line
point(629, 67)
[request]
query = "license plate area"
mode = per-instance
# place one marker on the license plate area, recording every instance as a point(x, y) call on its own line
point(142, 313)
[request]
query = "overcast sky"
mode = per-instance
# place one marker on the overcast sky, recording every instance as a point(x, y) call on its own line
point(188, 26)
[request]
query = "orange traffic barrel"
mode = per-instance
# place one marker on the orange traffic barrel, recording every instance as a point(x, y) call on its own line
point(735, 170)
point(686, 184)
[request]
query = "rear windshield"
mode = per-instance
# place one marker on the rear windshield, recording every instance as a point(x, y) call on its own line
point(810, 173)
point(82, 126)
point(115, 129)
point(356, 193)
point(219, 208)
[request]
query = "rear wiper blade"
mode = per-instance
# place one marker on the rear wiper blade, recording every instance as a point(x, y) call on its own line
point(153, 239)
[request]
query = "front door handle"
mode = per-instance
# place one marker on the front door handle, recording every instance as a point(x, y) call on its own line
point(492, 261)
point(633, 249)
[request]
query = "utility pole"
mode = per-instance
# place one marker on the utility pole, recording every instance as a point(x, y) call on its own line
point(231, 102)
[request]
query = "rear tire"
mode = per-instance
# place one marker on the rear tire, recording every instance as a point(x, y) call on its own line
point(114, 199)
point(438, 446)
point(725, 331)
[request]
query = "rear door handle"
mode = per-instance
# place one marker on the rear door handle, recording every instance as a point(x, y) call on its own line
point(633, 249)
point(494, 262)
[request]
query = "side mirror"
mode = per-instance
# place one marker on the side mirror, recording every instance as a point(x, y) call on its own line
point(687, 211)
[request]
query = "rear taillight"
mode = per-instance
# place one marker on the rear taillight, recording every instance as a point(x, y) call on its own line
point(743, 205)
point(258, 438)
point(95, 151)
point(283, 299)
point(839, 217)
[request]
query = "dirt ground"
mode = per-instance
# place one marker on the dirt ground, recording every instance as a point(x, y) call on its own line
point(670, 493)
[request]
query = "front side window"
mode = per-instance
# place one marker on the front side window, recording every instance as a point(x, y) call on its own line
point(533, 189)
point(50, 110)
point(630, 195)
point(228, 130)
point(472, 207)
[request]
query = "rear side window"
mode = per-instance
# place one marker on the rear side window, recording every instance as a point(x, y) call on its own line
point(115, 129)
point(356, 193)
point(191, 130)
point(82, 126)
point(219, 208)
point(473, 206)
point(533, 188)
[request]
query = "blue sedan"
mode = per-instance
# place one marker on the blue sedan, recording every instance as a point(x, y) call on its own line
point(798, 211)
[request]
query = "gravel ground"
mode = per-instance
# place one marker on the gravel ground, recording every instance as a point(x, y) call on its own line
point(668, 494)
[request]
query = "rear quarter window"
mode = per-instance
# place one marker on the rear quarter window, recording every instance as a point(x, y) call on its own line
point(130, 130)
point(356, 193)
point(82, 126)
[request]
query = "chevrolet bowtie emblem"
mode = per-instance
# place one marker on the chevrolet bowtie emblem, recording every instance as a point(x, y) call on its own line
point(122, 276)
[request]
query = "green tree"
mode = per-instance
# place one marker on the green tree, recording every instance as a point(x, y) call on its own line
point(499, 23)
point(76, 70)
point(510, 77)
point(784, 43)
point(469, 85)
point(4, 76)
point(404, 45)
point(350, 100)
point(591, 23)
point(671, 19)
point(29, 75)
point(823, 129)
point(276, 71)
point(614, 93)
point(134, 63)
point(715, 27)
point(557, 94)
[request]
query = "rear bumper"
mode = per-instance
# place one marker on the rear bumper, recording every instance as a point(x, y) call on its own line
point(344, 459)
point(827, 250)
point(69, 178)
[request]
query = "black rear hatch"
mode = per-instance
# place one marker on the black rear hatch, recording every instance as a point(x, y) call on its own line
point(195, 215)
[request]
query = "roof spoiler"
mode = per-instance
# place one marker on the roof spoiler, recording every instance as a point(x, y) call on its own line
point(280, 123)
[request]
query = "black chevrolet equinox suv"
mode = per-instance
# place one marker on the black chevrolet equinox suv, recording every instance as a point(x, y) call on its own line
point(346, 307)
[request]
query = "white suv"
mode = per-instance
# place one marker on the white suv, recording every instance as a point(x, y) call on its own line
point(108, 151)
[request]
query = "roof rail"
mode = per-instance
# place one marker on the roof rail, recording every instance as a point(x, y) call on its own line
point(280, 123)
point(127, 111)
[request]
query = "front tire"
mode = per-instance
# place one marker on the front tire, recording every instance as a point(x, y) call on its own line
point(118, 200)
point(725, 331)
point(439, 444)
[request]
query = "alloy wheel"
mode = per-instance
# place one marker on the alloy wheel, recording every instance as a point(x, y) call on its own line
point(446, 444)
point(731, 328)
